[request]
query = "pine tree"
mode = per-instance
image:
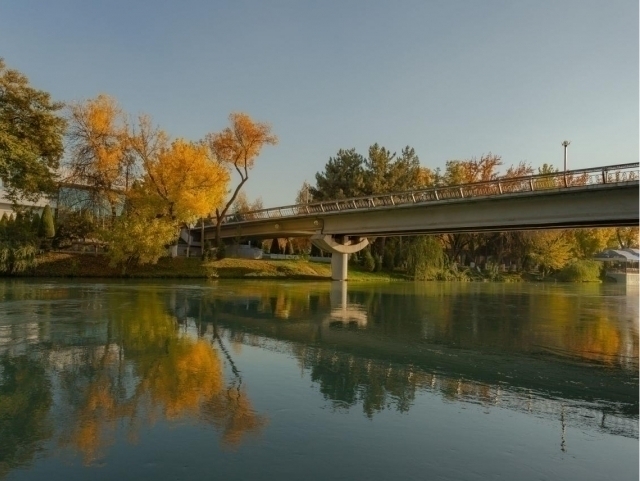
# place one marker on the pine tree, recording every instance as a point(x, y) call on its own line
point(47, 229)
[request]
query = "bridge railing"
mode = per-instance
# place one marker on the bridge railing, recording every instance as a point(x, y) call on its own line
point(500, 186)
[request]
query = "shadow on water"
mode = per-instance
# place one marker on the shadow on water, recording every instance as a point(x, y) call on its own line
point(80, 364)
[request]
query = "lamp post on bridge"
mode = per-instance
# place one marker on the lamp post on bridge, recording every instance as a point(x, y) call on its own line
point(565, 144)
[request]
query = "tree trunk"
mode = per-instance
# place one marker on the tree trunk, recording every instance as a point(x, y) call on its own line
point(218, 233)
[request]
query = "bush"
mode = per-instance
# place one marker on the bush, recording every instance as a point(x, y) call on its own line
point(47, 229)
point(15, 258)
point(581, 271)
point(425, 258)
point(221, 252)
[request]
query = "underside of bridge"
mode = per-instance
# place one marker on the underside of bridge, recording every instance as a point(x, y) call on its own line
point(346, 232)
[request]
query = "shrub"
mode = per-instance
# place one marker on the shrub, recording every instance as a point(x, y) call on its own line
point(581, 271)
point(425, 258)
point(16, 258)
point(47, 229)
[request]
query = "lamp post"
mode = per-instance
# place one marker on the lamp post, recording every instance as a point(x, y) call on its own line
point(565, 144)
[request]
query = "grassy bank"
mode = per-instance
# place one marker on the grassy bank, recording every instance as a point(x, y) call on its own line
point(56, 264)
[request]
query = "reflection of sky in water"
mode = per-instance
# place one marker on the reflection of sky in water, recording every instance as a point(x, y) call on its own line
point(527, 381)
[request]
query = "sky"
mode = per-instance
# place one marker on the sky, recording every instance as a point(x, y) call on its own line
point(453, 79)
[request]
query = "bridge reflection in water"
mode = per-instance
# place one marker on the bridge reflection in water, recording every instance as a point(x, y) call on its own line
point(514, 348)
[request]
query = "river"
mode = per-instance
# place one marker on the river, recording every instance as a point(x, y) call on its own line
point(296, 380)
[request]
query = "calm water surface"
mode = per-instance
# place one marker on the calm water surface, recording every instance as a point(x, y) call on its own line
point(283, 380)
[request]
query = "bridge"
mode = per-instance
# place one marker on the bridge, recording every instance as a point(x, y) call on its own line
point(596, 197)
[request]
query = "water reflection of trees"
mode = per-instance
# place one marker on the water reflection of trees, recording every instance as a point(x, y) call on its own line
point(465, 343)
point(123, 358)
point(590, 323)
point(140, 366)
point(25, 400)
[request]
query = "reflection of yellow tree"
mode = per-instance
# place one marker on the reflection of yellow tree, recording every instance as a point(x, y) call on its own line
point(231, 412)
point(180, 381)
point(175, 376)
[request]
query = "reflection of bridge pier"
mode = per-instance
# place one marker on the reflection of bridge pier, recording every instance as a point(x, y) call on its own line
point(341, 311)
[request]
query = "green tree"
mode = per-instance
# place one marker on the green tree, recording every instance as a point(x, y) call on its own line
point(275, 247)
point(343, 177)
point(47, 227)
point(136, 239)
point(368, 262)
point(31, 135)
point(74, 225)
point(4, 222)
point(424, 257)
point(25, 402)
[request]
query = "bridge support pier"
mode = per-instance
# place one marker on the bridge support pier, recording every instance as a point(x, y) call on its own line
point(340, 248)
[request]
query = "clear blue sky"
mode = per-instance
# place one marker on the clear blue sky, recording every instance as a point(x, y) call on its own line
point(453, 79)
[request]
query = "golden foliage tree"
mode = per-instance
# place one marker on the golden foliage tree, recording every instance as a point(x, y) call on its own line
point(184, 182)
point(99, 154)
point(588, 242)
point(236, 148)
point(549, 249)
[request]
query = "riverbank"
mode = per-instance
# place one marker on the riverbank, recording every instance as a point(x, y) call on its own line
point(58, 264)
point(84, 265)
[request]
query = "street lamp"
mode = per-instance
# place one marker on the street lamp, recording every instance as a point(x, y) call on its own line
point(565, 144)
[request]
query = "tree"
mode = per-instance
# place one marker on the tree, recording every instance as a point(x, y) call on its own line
point(31, 136)
point(242, 205)
point(424, 255)
point(304, 195)
point(275, 247)
point(343, 177)
point(72, 225)
point(182, 182)
point(100, 158)
point(4, 223)
point(627, 237)
point(236, 148)
point(137, 239)
point(549, 249)
point(47, 228)
point(588, 242)
point(472, 170)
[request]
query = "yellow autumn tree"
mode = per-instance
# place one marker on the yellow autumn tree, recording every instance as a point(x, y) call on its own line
point(184, 181)
point(236, 148)
point(549, 249)
point(99, 156)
